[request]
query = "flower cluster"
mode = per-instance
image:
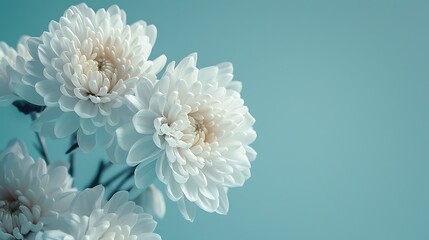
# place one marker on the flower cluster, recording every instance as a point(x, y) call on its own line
point(38, 202)
point(32, 195)
point(90, 77)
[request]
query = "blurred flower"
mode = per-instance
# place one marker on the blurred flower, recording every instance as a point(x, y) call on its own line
point(91, 218)
point(32, 195)
point(8, 61)
point(192, 131)
point(82, 68)
point(152, 201)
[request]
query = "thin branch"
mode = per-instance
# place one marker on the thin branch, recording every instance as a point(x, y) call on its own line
point(121, 183)
point(74, 146)
point(116, 176)
point(102, 168)
point(42, 143)
point(71, 159)
point(107, 165)
point(97, 177)
point(73, 142)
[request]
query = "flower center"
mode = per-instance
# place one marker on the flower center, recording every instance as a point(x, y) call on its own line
point(199, 129)
point(9, 215)
point(15, 214)
point(105, 67)
point(9, 207)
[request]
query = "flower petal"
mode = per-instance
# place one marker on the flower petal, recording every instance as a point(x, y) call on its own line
point(145, 174)
point(144, 121)
point(152, 201)
point(142, 151)
point(65, 125)
point(187, 209)
point(86, 109)
point(86, 142)
point(127, 136)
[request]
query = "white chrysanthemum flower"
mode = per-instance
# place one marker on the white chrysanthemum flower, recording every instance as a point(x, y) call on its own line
point(82, 68)
point(8, 61)
point(32, 195)
point(90, 218)
point(193, 131)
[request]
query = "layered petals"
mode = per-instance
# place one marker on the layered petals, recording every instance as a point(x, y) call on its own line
point(90, 217)
point(192, 131)
point(32, 194)
point(83, 67)
point(10, 62)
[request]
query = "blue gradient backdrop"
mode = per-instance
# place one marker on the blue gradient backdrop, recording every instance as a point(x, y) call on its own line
point(340, 91)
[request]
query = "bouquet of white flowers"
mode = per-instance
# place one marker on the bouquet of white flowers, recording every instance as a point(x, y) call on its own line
point(89, 77)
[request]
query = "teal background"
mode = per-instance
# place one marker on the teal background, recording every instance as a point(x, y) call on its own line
point(340, 93)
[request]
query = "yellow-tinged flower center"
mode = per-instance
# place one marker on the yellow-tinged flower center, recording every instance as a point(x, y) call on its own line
point(199, 129)
point(105, 71)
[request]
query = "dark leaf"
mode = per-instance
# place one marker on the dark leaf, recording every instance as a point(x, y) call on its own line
point(73, 147)
point(28, 108)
